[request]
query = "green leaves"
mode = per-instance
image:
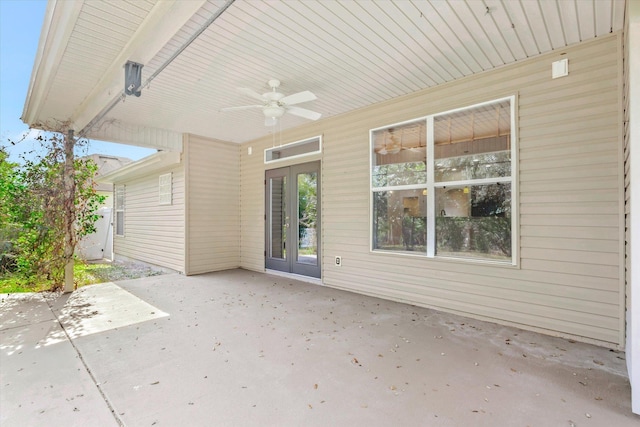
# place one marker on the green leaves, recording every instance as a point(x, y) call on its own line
point(36, 209)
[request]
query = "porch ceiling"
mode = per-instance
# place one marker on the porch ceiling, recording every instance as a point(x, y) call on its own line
point(351, 54)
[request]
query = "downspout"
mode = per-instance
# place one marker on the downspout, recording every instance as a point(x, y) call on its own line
point(177, 53)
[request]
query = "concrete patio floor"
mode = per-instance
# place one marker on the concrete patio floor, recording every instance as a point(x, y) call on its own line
point(238, 348)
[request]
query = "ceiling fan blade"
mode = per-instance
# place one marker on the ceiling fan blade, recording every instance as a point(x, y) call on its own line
point(298, 98)
point(252, 93)
point(303, 112)
point(243, 107)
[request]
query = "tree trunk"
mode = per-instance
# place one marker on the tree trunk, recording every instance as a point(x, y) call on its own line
point(69, 214)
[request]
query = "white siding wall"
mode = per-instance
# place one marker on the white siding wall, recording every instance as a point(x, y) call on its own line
point(153, 233)
point(569, 280)
point(213, 204)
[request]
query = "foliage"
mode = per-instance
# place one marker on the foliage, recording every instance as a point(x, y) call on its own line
point(486, 231)
point(400, 174)
point(450, 233)
point(8, 232)
point(396, 226)
point(46, 207)
point(475, 166)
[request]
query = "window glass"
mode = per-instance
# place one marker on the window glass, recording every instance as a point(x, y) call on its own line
point(399, 155)
point(279, 220)
point(457, 203)
point(308, 218)
point(474, 221)
point(477, 166)
point(473, 143)
point(399, 220)
point(295, 149)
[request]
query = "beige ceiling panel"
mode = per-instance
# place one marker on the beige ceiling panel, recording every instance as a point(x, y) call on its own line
point(534, 20)
point(603, 17)
point(409, 22)
point(442, 39)
point(510, 34)
point(162, 21)
point(522, 28)
point(569, 16)
point(351, 54)
point(553, 23)
point(459, 18)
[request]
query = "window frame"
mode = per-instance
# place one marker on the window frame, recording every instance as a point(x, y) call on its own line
point(119, 207)
point(299, 143)
point(431, 185)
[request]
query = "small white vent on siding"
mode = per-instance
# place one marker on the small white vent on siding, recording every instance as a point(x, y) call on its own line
point(560, 68)
point(165, 189)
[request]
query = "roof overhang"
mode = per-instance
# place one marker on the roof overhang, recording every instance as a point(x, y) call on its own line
point(150, 164)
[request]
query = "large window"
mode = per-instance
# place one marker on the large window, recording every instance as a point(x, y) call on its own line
point(442, 185)
point(119, 210)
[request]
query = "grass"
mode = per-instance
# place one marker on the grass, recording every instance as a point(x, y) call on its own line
point(84, 274)
point(12, 285)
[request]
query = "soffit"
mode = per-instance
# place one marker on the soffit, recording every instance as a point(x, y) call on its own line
point(351, 54)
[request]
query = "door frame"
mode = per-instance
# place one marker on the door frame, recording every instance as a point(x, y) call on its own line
point(290, 264)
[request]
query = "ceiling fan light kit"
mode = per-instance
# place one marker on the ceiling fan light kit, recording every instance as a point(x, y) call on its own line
point(275, 104)
point(273, 111)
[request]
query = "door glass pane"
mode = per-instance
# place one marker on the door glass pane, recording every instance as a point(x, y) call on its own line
point(307, 218)
point(278, 232)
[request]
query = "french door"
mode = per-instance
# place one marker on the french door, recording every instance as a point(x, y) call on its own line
point(292, 206)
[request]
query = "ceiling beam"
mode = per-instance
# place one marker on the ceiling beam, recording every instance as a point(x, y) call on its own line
point(163, 22)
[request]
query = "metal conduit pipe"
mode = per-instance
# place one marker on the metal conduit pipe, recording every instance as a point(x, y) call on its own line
point(177, 53)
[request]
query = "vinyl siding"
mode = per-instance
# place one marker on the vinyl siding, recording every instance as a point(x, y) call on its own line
point(213, 206)
point(153, 233)
point(568, 279)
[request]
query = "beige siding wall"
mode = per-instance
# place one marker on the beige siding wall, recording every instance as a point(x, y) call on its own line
point(153, 233)
point(213, 205)
point(569, 279)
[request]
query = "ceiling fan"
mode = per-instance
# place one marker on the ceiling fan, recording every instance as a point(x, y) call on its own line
point(275, 104)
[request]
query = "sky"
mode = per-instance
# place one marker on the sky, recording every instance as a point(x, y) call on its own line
point(20, 27)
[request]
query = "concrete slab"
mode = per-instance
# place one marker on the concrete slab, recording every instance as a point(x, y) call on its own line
point(43, 381)
point(241, 348)
point(94, 309)
point(23, 309)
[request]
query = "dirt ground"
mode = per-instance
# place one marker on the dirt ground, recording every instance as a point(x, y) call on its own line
point(111, 271)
